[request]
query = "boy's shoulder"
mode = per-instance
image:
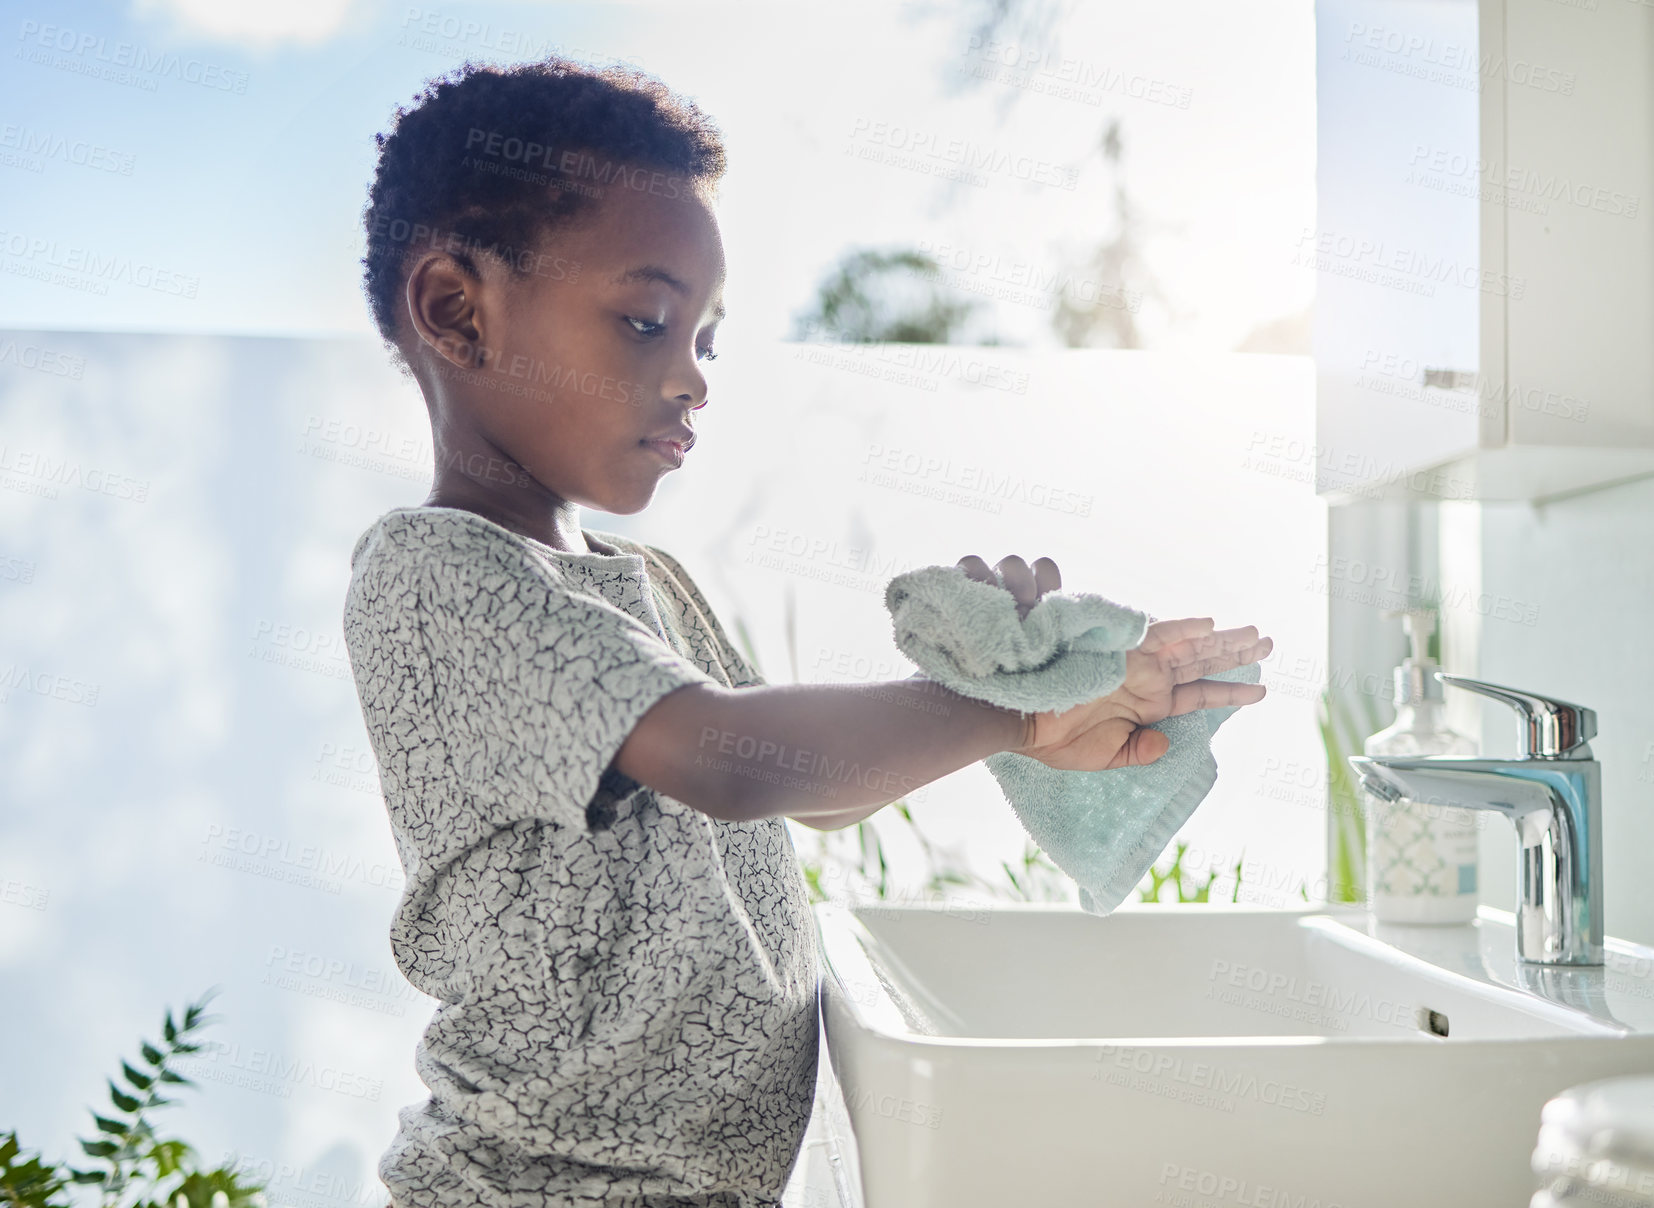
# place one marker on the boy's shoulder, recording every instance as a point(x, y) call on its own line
point(460, 549)
point(424, 535)
point(453, 554)
point(431, 537)
point(412, 530)
point(421, 555)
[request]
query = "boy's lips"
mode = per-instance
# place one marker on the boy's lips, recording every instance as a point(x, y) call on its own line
point(677, 436)
point(672, 444)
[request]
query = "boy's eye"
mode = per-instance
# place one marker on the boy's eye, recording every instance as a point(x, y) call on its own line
point(650, 330)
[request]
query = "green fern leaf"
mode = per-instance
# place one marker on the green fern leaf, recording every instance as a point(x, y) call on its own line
point(123, 1101)
point(142, 1081)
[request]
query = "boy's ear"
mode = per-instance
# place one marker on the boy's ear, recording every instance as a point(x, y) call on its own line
point(443, 298)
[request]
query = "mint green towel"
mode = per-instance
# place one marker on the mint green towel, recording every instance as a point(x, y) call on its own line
point(1104, 829)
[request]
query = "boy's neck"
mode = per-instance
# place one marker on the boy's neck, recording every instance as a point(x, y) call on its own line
point(560, 528)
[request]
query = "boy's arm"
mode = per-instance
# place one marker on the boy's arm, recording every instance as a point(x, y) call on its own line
point(825, 754)
point(838, 821)
point(827, 822)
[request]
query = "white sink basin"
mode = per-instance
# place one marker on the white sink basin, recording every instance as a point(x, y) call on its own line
point(1036, 1054)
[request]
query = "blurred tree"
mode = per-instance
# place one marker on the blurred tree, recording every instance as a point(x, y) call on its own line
point(893, 296)
point(1102, 311)
point(1102, 291)
point(1098, 289)
point(1001, 34)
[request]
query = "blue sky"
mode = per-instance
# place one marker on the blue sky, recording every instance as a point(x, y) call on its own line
point(237, 160)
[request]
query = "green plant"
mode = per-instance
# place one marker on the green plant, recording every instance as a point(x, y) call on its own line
point(868, 841)
point(1342, 734)
point(1173, 875)
point(942, 872)
point(1041, 880)
point(865, 867)
point(27, 1182)
point(141, 1169)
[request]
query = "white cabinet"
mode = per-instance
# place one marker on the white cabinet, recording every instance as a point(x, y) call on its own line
point(1484, 247)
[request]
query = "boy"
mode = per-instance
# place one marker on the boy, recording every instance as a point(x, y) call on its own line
point(601, 889)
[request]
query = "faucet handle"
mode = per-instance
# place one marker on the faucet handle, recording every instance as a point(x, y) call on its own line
point(1551, 728)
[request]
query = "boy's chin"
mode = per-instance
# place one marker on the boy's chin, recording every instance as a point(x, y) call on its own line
point(630, 503)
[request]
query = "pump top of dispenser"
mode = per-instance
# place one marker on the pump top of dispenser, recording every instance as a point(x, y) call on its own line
point(1415, 678)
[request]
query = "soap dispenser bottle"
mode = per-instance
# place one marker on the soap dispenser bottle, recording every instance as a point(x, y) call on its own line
point(1421, 857)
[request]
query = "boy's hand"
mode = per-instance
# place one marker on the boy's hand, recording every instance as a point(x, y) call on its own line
point(1163, 679)
point(1026, 584)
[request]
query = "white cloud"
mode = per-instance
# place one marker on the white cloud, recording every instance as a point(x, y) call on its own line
point(254, 23)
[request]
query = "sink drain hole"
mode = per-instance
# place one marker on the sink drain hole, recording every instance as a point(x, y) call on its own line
point(1433, 1022)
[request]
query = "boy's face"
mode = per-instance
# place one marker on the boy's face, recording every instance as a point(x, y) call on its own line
point(594, 352)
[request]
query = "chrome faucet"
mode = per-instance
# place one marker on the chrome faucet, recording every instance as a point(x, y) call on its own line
point(1551, 791)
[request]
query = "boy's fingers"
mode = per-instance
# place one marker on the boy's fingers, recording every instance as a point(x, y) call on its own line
point(1213, 694)
point(1025, 584)
point(1187, 672)
point(1019, 580)
point(1166, 633)
point(1144, 746)
point(1046, 575)
point(1209, 645)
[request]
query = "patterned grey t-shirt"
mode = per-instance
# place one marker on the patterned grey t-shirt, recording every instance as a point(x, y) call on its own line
point(628, 986)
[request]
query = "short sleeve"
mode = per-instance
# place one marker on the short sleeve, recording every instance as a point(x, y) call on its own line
point(536, 688)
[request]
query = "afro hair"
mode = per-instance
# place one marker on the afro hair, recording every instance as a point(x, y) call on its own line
point(468, 168)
